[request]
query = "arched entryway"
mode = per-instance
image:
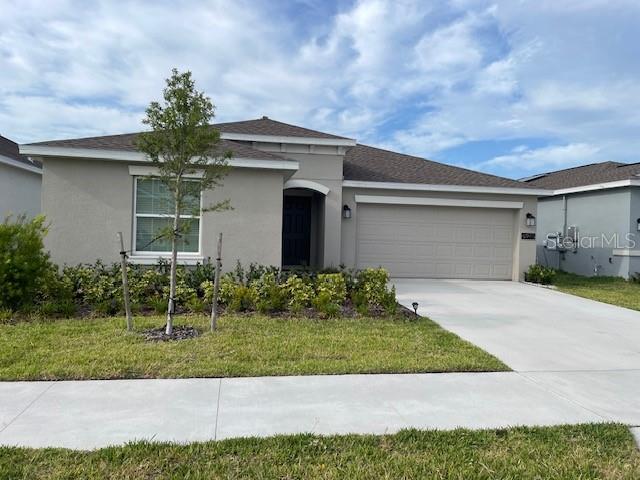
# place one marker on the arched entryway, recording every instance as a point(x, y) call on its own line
point(302, 224)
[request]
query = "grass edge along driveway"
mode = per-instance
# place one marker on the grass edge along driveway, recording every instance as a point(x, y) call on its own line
point(603, 451)
point(611, 290)
point(250, 345)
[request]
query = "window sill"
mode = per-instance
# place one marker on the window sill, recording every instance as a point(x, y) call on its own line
point(153, 259)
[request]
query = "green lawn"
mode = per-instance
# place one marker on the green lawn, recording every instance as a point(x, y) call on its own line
point(243, 346)
point(614, 290)
point(570, 452)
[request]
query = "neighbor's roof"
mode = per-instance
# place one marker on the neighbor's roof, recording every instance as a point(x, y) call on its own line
point(9, 149)
point(369, 164)
point(592, 174)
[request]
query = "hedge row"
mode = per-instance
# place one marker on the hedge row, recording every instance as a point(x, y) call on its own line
point(31, 283)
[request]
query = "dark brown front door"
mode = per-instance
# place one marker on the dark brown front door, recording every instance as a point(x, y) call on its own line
point(296, 231)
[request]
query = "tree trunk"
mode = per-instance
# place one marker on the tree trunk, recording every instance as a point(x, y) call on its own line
point(174, 262)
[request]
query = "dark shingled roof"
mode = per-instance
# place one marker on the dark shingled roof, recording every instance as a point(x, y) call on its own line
point(9, 149)
point(266, 126)
point(586, 175)
point(126, 142)
point(364, 163)
point(361, 162)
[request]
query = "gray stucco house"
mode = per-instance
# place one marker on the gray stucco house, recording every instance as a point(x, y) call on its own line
point(20, 182)
point(595, 209)
point(300, 197)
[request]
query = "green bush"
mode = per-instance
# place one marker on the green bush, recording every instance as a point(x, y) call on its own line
point(331, 292)
point(299, 292)
point(270, 296)
point(540, 274)
point(243, 299)
point(371, 294)
point(24, 265)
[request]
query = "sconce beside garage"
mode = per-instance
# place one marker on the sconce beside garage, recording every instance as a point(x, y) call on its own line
point(346, 212)
point(530, 220)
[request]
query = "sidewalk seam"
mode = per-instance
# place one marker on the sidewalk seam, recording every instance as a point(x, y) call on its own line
point(564, 397)
point(27, 407)
point(215, 430)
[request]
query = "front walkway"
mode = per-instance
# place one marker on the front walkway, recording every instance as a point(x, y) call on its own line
point(91, 414)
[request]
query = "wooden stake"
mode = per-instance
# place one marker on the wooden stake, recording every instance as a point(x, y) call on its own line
point(216, 287)
point(125, 283)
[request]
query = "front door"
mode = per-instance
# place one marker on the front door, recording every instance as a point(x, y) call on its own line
point(296, 231)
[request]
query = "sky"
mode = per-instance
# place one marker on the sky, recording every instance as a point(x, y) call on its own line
point(509, 87)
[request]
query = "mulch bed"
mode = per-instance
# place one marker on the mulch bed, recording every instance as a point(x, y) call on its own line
point(179, 333)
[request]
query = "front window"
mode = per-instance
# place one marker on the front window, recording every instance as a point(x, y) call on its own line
point(154, 213)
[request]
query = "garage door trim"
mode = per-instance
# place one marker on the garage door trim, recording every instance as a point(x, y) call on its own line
point(441, 202)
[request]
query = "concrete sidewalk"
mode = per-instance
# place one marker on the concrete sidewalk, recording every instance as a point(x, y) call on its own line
point(92, 414)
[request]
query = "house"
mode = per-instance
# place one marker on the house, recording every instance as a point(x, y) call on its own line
point(299, 197)
point(20, 182)
point(595, 211)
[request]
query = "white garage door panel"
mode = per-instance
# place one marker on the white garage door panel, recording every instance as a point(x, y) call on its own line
point(429, 241)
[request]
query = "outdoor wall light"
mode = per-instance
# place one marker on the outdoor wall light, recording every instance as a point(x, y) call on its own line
point(530, 220)
point(639, 224)
point(346, 212)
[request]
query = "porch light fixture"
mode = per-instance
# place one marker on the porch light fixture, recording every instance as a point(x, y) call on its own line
point(346, 212)
point(638, 224)
point(531, 220)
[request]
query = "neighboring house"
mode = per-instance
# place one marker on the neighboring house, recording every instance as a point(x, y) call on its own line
point(299, 197)
point(596, 208)
point(20, 182)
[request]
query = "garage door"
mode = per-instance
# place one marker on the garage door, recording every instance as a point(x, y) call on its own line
point(434, 241)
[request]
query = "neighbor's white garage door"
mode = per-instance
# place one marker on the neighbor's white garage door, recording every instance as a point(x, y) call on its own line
point(434, 241)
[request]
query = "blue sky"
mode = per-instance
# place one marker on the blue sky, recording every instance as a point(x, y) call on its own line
point(511, 87)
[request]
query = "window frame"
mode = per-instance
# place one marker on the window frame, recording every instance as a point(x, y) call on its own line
point(160, 254)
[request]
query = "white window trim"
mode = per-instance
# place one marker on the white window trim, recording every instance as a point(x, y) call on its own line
point(442, 202)
point(147, 257)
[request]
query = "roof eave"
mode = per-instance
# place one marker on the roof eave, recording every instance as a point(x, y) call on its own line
point(246, 137)
point(129, 156)
point(535, 192)
point(598, 186)
point(21, 165)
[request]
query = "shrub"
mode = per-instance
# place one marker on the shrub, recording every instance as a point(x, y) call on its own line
point(24, 265)
point(331, 292)
point(64, 308)
point(243, 299)
point(299, 292)
point(371, 294)
point(146, 283)
point(540, 274)
point(269, 295)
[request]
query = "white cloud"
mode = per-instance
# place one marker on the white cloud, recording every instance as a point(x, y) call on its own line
point(416, 76)
point(523, 159)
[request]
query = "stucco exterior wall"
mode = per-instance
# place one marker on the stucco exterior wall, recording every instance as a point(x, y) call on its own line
point(524, 250)
point(634, 262)
point(323, 165)
point(88, 201)
point(19, 191)
point(598, 216)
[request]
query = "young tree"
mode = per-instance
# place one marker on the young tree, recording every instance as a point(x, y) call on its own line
point(182, 144)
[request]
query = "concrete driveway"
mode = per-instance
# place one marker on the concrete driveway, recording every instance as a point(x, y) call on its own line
point(586, 351)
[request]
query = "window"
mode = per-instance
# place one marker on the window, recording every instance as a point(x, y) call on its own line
point(154, 211)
